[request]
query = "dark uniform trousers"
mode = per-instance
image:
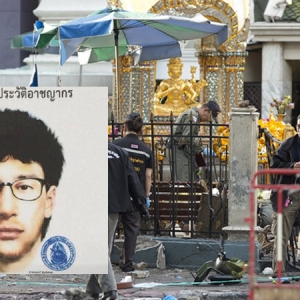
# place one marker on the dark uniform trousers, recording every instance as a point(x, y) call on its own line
point(289, 215)
point(131, 224)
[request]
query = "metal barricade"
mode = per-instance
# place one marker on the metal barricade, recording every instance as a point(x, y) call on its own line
point(266, 291)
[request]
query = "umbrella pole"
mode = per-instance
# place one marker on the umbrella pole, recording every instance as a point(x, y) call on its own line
point(117, 90)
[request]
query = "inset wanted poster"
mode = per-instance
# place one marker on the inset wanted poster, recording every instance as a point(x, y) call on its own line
point(53, 180)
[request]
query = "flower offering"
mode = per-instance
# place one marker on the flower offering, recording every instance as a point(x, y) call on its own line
point(282, 105)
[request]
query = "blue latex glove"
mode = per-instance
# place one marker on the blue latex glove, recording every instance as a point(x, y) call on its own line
point(148, 202)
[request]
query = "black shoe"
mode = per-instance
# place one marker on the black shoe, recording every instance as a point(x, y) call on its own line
point(93, 295)
point(127, 269)
point(111, 295)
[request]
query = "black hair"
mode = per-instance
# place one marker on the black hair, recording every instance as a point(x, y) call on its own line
point(28, 139)
point(135, 125)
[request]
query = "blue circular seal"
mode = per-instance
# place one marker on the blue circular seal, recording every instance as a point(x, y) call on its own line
point(58, 253)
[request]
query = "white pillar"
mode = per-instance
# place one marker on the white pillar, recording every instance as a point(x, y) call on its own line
point(276, 76)
point(242, 166)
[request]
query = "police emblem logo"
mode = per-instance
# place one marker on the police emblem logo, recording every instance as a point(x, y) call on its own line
point(58, 253)
point(134, 146)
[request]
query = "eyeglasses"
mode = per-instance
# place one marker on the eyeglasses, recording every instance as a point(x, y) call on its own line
point(27, 189)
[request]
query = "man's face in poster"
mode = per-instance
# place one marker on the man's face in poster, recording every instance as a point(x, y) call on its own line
point(56, 138)
point(23, 207)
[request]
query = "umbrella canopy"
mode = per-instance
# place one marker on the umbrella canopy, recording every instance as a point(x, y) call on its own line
point(100, 33)
point(43, 36)
point(103, 31)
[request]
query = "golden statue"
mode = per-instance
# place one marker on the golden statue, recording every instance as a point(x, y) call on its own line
point(176, 94)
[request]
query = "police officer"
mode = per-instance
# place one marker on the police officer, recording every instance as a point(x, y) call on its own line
point(184, 159)
point(124, 192)
point(141, 157)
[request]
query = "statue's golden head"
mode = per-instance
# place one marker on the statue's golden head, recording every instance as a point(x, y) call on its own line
point(175, 62)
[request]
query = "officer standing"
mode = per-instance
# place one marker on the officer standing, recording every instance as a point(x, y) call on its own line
point(124, 193)
point(141, 157)
point(184, 157)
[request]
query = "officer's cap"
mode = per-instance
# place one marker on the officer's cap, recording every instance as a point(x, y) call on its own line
point(214, 108)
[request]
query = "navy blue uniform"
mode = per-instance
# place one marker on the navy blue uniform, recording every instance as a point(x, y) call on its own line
point(141, 158)
point(139, 152)
point(122, 185)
